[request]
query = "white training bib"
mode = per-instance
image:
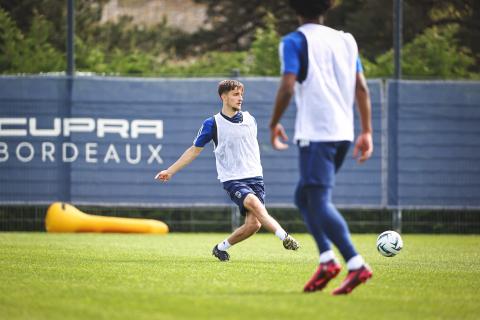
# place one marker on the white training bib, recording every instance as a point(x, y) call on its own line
point(325, 99)
point(237, 153)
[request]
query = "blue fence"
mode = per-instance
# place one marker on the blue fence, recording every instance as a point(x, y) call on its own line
point(436, 144)
point(100, 141)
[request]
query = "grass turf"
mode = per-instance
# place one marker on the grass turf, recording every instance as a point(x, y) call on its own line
point(111, 276)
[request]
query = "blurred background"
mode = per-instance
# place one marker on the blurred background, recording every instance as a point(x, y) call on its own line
point(214, 38)
point(162, 59)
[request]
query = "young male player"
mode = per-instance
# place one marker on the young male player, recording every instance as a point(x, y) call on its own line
point(322, 66)
point(237, 154)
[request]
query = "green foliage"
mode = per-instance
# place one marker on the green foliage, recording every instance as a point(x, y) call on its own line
point(39, 54)
point(265, 49)
point(98, 60)
point(127, 37)
point(234, 24)
point(10, 40)
point(136, 63)
point(32, 39)
point(89, 58)
point(213, 63)
point(434, 53)
point(30, 53)
point(261, 59)
point(33, 52)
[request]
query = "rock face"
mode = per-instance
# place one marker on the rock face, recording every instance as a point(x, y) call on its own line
point(183, 14)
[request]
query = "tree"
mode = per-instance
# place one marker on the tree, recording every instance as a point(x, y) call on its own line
point(38, 44)
point(261, 59)
point(371, 21)
point(264, 49)
point(238, 35)
point(87, 15)
point(231, 25)
point(30, 52)
point(433, 54)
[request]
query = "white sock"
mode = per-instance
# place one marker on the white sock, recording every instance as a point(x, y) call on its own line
point(327, 256)
point(281, 234)
point(224, 245)
point(355, 262)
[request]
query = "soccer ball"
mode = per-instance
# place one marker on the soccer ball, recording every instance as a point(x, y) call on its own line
point(389, 243)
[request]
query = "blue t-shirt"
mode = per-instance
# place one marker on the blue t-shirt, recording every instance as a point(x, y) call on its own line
point(294, 55)
point(208, 130)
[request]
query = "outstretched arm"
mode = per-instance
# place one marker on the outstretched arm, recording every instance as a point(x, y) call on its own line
point(188, 156)
point(284, 94)
point(364, 142)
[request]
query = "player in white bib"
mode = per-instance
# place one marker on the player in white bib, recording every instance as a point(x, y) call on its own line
point(237, 154)
point(321, 65)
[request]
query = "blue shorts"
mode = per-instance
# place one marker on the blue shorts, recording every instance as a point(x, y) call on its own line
point(238, 190)
point(319, 161)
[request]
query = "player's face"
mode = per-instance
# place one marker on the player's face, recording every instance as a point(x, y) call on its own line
point(234, 98)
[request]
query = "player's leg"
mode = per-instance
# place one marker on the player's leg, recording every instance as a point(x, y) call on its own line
point(318, 164)
point(329, 157)
point(355, 276)
point(253, 204)
point(238, 190)
point(249, 228)
point(337, 231)
point(315, 228)
point(312, 173)
point(258, 187)
point(328, 266)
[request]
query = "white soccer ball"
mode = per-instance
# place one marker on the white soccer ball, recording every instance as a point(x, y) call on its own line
point(389, 243)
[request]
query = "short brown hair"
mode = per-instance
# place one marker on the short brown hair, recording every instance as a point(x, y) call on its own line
point(228, 85)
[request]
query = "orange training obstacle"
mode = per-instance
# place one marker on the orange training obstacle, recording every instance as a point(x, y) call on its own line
point(63, 217)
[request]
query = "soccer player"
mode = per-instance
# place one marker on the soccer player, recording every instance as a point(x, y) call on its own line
point(321, 66)
point(237, 154)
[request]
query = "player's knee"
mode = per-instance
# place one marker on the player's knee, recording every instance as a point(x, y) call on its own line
point(251, 229)
point(254, 226)
point(252, 203)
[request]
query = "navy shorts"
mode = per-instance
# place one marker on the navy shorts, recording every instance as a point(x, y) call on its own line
point(319, 161)
point(238, 190)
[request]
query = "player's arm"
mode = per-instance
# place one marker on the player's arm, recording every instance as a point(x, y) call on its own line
point(204, 136)
point(187, 157)
point(284, 95)
point(289, 53)
point(364, 142)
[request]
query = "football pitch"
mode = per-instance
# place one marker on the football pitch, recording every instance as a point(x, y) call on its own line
point(113, 276)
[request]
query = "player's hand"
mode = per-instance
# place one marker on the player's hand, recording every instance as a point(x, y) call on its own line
point(163, 175)
point(278, 137)
point(364, 145)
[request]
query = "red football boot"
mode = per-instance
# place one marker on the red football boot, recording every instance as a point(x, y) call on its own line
point(325, 272)
point(353, 279)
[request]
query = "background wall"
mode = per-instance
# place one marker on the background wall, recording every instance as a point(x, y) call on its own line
point(425, 134)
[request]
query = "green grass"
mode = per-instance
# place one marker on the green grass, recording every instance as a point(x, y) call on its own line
point(111, 276)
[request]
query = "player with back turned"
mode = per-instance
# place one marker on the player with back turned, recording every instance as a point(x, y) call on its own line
point(321, 66)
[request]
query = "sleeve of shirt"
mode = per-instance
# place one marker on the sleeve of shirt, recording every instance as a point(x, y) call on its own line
point(205, 134)
point(289, 56)
point(359, 65)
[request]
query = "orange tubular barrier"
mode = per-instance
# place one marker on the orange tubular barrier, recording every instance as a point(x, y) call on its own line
point(63, 217)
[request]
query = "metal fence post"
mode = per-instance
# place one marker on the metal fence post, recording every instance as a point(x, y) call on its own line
point(70, 38)
point(397, 220)
point(397, 37)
